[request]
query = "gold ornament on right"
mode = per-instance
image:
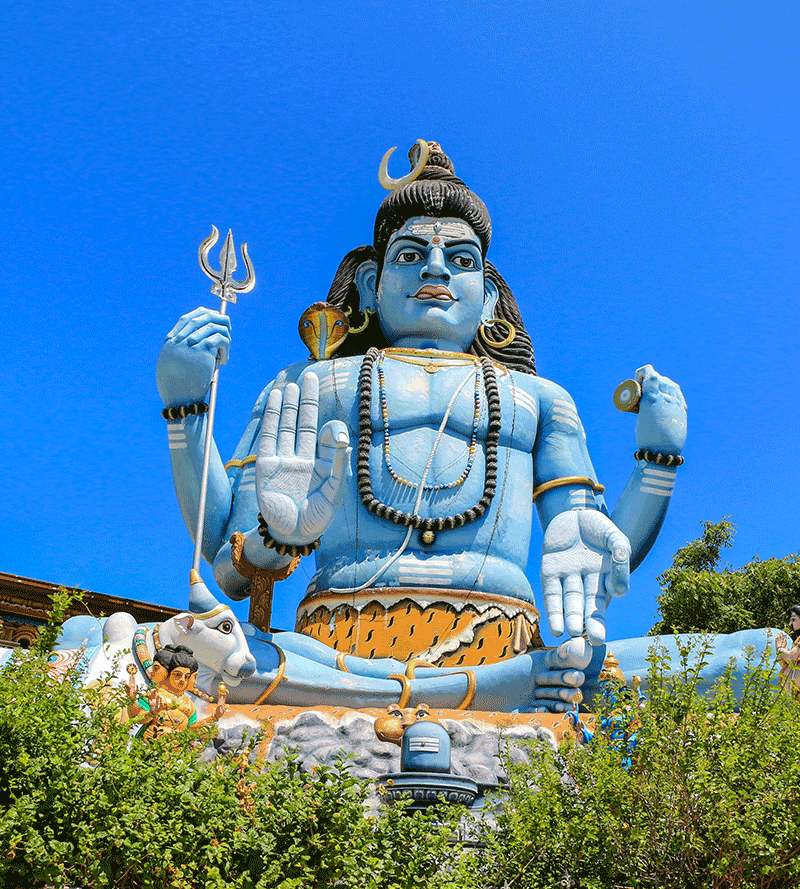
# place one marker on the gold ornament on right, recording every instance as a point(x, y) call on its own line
point(512, 333)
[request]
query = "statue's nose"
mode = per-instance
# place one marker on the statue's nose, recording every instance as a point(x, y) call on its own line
point(436, 266)
point(248, 667)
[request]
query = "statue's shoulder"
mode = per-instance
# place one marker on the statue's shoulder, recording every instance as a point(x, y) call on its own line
point(546, 392)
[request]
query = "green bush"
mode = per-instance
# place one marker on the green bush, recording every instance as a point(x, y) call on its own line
point(84, 805)
point(712, 798)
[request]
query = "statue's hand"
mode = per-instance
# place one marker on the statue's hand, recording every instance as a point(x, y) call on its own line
point(298, 493)
point(661, 423)
point(561, 676)
point(186, 361)
point(585, 558)
point(155, 702)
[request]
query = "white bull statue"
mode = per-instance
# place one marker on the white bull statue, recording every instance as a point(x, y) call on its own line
point(209, 629)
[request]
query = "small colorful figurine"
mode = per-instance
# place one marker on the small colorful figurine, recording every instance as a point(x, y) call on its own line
point(789, 656)
point(619, 724)
point(165, 708)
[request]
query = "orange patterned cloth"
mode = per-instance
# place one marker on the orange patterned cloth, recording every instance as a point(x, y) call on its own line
point(448, 628)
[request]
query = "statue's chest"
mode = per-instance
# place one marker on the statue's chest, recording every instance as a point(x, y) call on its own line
point(405, 397)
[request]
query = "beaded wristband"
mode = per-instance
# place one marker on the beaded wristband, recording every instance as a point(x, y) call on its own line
point(285, 549)
point(662, 459)
point(181, 411)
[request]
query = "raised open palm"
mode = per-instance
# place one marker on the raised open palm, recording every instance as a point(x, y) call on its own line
point(299, 469)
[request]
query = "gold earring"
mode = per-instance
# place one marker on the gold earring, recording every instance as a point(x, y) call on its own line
point(512, 333)
point(367, 315)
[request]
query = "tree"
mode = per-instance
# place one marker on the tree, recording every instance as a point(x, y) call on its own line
point(698, 596)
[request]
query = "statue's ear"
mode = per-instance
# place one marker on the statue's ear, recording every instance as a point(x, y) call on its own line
point(185, 622)
point(367, 284)
point(490, 296)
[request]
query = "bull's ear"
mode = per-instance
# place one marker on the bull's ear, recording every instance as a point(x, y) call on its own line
point(184, 622)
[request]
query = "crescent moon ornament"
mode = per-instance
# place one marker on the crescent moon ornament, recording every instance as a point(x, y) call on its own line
point(393, 184)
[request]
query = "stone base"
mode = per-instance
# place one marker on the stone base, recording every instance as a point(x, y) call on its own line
point(321, 735)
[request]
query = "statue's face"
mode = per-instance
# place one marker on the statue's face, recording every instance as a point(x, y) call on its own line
point(178, 680)
point(431, 290)
point(794, 622)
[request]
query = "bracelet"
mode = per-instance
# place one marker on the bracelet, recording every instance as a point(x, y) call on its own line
point(179, 412)
point(663, 459)
point(285, 549)
point(567, 480)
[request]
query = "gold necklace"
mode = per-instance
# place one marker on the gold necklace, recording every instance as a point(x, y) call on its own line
point(430, 360)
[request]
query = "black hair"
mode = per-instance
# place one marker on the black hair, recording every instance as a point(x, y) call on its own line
point(171, 657)
point(795, 609)
point(437, 192)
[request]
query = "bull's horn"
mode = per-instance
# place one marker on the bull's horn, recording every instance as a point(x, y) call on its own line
point(393, 184)
point(201, 602)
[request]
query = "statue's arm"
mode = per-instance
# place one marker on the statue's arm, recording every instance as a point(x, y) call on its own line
point(243, 517)
point(561, 453)
point(789, 654)
point(183, 374)
point(585, 557)
point(287, 470)
point(660, 429)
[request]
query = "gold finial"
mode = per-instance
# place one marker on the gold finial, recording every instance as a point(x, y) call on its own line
point(194, 577)
point(611, 670)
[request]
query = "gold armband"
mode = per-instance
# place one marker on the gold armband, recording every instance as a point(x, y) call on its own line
point(238, 464)
point(567, 480)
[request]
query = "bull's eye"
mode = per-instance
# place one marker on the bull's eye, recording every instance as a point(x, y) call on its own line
point(226, 626)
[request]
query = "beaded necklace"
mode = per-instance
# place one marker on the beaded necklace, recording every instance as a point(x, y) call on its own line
point(427, 527)
point(472, 444)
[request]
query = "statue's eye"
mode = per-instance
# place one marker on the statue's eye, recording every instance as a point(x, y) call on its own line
point(464, 261)
point(408, 256)
point(226, 626)
point(397, 713)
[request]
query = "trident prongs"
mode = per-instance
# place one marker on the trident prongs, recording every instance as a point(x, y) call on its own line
point(226, 287)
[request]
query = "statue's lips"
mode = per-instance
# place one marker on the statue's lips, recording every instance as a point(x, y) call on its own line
point(436, 292)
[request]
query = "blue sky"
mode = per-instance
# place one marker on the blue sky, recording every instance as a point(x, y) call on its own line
point(639, 161)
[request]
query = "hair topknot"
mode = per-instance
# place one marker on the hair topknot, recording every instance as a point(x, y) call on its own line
point(437, 191)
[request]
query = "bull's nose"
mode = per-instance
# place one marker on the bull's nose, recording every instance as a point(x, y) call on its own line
point(247, 668)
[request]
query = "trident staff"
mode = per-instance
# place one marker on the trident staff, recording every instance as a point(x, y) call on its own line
point(227, 289)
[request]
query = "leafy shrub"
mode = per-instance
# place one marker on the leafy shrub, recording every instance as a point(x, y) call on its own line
point(697, 597)
point(712, 799)
point(84, 805)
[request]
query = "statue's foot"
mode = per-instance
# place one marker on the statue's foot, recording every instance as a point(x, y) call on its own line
point(561, 676)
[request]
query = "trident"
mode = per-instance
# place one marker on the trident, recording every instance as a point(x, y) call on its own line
point(226, 288)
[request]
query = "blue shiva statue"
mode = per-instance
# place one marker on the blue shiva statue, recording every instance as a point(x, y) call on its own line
point(410, 462)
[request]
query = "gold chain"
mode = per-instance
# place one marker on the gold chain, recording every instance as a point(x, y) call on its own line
point(430, 360)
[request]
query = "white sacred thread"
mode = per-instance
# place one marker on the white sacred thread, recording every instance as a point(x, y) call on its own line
point(422, 481)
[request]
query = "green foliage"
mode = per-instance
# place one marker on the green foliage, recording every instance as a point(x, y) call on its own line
point(84, 805)
point(697, 597)
point(712, 799)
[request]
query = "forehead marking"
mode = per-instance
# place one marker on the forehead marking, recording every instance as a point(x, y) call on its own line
point(446, 229)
